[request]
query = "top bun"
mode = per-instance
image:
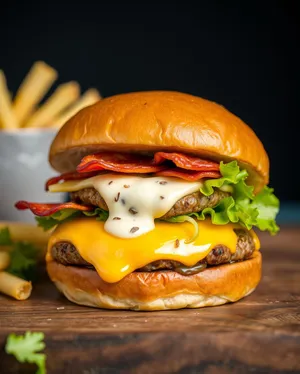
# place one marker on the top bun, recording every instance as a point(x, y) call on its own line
point(160, 121)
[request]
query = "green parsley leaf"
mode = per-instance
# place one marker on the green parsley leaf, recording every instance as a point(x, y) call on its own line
point(5, 238)
point(23, 261)
point(23, 256)
point(27, 347)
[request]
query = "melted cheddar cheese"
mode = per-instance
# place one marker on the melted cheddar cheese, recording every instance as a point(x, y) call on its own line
point(114, 257)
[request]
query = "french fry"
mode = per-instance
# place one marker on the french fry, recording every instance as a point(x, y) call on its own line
point(15, 287)
point(21, 231)
point(4, 260)
point(90, 97)
point(33, 88)
point(7, 117)
point(64, 96)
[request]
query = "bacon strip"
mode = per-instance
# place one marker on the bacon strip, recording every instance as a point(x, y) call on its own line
point(186, 162)
point(119, 162)
point(40, 209)
point(188, 167)
point(69, 177)
point(188, 175)
point(130, 163)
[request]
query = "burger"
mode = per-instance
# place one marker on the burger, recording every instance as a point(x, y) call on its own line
point(166, 192)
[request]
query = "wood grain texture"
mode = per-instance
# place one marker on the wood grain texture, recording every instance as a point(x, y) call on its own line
point(260, 334)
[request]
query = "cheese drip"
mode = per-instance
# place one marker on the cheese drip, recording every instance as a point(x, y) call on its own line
point(114, 258)
point(133, 201)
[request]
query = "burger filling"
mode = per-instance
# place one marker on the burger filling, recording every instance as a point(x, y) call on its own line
point(66, 254)
point(147, 205)
point(191, 203)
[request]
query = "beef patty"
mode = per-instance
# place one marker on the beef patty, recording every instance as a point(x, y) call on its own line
point(192, 203)
point(67, 254)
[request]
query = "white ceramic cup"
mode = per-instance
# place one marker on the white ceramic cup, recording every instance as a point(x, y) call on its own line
point(24, 169)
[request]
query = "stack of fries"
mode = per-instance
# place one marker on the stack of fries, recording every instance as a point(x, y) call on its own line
point(27, 109)
point(24, 111)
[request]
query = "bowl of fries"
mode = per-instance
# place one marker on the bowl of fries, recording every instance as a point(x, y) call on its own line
point(27, 128)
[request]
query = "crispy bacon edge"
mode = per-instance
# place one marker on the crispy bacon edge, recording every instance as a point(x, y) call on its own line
point(43, 210)
point(190, 168)
point(119, 162)
point(188, 175)
point(186, 162)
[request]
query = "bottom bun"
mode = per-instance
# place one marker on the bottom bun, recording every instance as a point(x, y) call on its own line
point(161, 290)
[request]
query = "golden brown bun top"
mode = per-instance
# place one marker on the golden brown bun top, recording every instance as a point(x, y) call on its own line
point(160, 121)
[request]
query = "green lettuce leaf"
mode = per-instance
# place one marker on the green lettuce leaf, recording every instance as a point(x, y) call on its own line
point(101, 215)
point(65, 215)
point(242, 206)
point(267, 205)
point(231, 175)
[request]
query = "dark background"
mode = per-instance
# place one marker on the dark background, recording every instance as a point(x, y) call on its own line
point(243, 55)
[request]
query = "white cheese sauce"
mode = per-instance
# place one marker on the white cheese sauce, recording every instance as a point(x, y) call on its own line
point(133, 201)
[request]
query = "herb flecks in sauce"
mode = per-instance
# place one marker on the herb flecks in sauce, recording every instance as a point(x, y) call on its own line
point(132, 210)
point(138, 206)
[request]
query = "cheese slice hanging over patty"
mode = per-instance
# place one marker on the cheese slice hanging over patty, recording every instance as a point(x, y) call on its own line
point(114, 257)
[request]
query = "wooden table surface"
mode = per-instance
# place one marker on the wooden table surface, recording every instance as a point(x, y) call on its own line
point(259, 334)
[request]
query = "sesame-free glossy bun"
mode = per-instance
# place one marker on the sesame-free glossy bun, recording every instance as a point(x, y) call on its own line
point(160, 290)
point(160, 121)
